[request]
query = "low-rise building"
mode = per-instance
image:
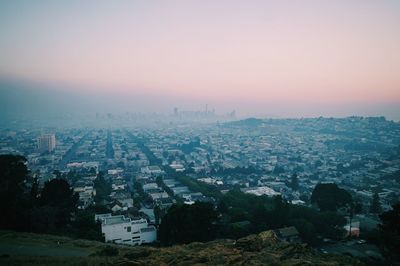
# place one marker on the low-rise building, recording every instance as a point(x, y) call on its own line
point(288, 234)
point(258, 191)
point(122, 230)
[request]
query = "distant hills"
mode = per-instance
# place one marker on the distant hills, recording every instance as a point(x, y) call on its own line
point(248, 122)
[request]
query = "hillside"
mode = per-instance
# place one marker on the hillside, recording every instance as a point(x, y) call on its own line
point(33, 249)
point(248, 122)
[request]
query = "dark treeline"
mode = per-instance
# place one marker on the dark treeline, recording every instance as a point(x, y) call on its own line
point(52, 209)
point(238, 214)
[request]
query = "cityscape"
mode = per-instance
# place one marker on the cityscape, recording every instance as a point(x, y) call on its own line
point(148, 170)
point(199, 132)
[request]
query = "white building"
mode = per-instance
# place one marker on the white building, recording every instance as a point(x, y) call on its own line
point(122, 230)
point(115, 172)
point(159, 195)
point(258, 191)
point(152, 170)
point(46, 142)
point(86, 194)
point(149, 186)
point(178, 167)
point(85, 165)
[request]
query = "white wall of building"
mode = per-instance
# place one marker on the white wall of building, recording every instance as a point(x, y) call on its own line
point(122, 230)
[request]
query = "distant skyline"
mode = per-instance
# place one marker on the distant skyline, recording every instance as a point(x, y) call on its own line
point(278, 58)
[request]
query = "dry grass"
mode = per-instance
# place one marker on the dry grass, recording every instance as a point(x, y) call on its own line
point(219, 252)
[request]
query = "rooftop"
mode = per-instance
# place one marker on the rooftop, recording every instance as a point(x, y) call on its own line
point(288, 231)
point(115, 220)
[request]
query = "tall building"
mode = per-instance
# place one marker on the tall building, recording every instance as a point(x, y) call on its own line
point(46, 142)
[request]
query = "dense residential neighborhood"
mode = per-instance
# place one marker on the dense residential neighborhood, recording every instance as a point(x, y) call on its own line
point(131, 177)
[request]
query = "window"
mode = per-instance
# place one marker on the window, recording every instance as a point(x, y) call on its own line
point(128, 229)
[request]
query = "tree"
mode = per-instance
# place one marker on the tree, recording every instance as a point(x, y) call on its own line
point(304, 198)
point(260, 219)
point(121, 164)
point(13, 174)
point(279, 215)
point(329, 197)
point(33, 197)
point(103, 188)
point(222, 208)
point(86, 227)
point(330, 224)
point(43, 219)
point(159, 181)
point(390, 234)
point(375, 206)
point(358, 207)
point(157, 214)
point(306, 230)
point(58, 194)
point(278, 170)
point(294, 182)
point(188, 223)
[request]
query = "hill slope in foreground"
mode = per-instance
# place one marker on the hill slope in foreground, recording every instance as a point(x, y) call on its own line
point(264, 248)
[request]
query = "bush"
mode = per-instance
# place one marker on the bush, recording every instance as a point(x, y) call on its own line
point(108, 251)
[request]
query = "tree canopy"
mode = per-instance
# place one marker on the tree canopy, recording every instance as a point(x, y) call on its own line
point(27, 208)
point(375, 206)
point(13, 174)
point(390, 234)
point(59, 196)
point(329, 197)
point(294, 182)
point(265, 213)
point(187, 223)
point(103, 188)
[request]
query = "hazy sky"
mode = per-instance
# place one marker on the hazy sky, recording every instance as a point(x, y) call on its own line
point(248, 55)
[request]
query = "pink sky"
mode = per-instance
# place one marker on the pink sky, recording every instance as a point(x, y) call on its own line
point(322, 52)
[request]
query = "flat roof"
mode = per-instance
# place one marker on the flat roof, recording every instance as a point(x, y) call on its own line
point(115, 220)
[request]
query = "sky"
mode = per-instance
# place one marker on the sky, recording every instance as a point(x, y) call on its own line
point(279, 58)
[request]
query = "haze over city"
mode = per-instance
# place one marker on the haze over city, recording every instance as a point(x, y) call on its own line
point(224, 132)
point(260, 58)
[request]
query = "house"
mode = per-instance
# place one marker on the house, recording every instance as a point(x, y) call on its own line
point(288, 234)
point(177, 167)
point(115, 172)
point(159, 195)
point(115, 206)
point(123, 197)
point(100, 217)
point(86, 193)
point(354, 228)
point(180, 190)
point(118, 184)
point(152, 170)
point(164, 202)
point(122, 230)
point(149, 186)
point(258, 191)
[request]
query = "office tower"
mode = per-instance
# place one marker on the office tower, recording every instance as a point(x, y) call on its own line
point(46, 142)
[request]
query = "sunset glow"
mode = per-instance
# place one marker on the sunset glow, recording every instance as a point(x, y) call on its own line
point(323, 52)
